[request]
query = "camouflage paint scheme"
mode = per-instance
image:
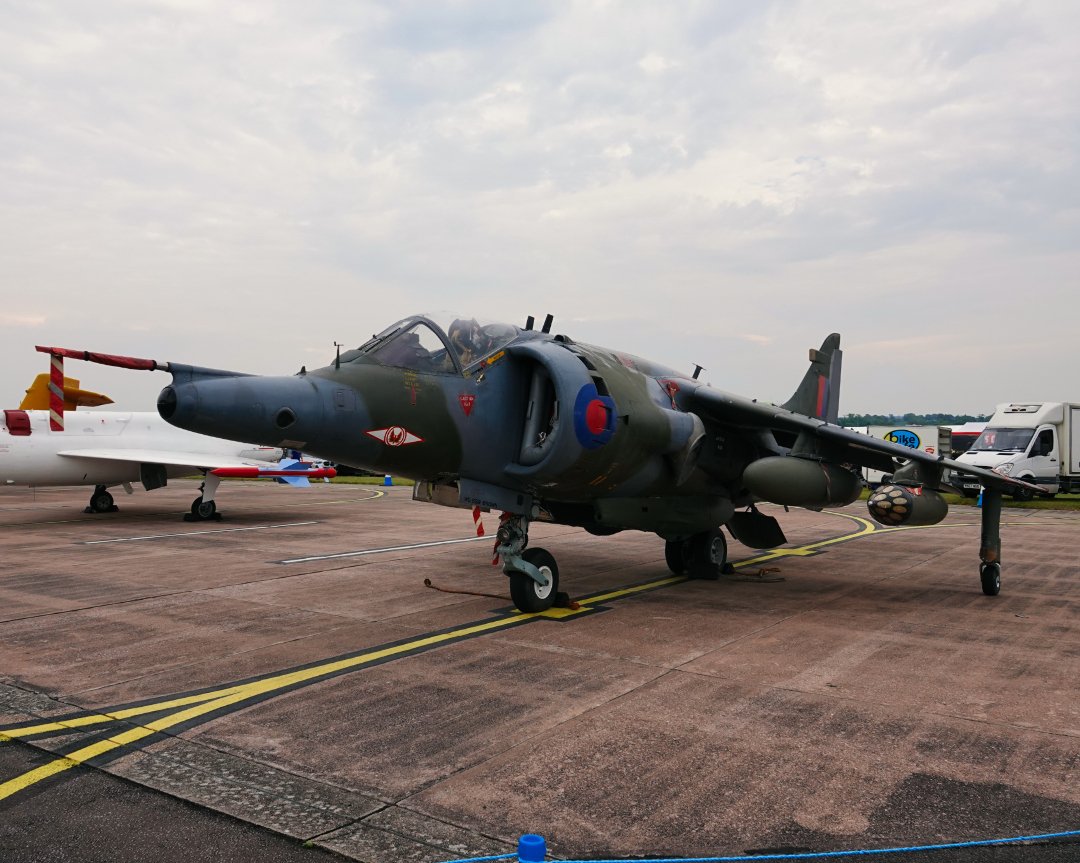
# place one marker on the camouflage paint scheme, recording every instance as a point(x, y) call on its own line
point(539, 426)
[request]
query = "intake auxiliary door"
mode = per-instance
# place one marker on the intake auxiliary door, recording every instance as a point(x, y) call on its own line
point(541, 418)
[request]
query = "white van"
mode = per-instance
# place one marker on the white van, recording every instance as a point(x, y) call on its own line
point(1034, 441)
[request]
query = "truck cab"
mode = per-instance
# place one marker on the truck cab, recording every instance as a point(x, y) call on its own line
point(1024, 441)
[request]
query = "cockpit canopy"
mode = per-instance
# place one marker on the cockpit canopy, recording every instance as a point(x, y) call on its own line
point(420, 343)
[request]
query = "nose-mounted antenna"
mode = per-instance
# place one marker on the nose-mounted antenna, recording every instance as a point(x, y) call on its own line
point(547, 324)
point(698, 370)
point(337, 355)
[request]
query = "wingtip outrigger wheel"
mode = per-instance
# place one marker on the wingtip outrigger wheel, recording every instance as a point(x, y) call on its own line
point(990, 545)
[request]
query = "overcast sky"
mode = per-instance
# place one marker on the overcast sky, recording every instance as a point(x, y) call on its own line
point(239, 185)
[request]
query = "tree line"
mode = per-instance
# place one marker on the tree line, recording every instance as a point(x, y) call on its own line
point(910, 419)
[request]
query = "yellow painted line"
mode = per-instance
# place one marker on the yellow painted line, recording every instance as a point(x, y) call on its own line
point(211, 701)
point(867, 527)
point(80, 756)
point(112, 716)
point(630, 591)
point(34, 776)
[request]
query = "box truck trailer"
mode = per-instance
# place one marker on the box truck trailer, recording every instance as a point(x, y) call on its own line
point(1034, 441)
point(936, 440)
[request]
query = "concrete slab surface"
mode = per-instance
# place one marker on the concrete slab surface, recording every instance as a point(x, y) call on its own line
point(284, 677)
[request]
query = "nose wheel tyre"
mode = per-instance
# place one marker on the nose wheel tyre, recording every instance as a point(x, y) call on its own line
point(990, 575)
point(101, 501)
point(203, 510)
point(529, 596)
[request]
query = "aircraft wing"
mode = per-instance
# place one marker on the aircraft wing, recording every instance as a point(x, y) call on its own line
point(287, 471)
point(832, 442)
point(203, 461)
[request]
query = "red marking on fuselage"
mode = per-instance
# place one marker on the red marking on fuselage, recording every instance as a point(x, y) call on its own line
point(670, 387)
point(411, 386)
point(822, 392)
point(467, 401)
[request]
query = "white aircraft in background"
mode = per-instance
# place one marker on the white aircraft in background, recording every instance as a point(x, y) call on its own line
point(110, 448)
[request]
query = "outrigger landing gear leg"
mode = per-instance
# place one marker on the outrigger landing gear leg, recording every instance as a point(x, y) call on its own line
point(533, 573)
point(990, 547)
point(203, 507)
point(101, 501)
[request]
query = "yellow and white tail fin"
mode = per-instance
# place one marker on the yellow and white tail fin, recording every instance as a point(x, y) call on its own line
point(44, 395)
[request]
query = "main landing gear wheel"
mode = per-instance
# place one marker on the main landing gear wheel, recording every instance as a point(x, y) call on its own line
point(203, 510)
point(529, 596)
point(675, 554)
point(706, 554)
point(990, 575)
point(101, 501)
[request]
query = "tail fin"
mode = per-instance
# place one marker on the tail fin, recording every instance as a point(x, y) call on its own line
point(818, 394)
point(37, 396)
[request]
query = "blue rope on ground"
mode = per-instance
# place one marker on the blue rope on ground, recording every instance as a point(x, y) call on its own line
point(811, 855)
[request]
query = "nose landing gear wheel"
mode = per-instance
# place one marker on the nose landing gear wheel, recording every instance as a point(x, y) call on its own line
point(529, 596)
point(203, 510)
point(990, 575)
point(101, 501)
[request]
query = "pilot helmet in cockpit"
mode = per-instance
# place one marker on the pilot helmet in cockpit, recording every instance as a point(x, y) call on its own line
point(468, 339)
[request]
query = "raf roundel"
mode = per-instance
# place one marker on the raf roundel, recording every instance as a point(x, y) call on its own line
point(594, 417)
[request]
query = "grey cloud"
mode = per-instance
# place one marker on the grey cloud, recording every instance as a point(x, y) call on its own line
point(782, 169)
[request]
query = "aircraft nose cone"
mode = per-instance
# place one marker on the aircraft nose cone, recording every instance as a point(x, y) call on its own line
point(265, 410)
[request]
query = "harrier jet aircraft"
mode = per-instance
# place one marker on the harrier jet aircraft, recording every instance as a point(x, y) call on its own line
point(542, 427)
point(46, 442)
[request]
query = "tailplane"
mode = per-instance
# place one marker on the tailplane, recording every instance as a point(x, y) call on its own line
point(818, 394)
